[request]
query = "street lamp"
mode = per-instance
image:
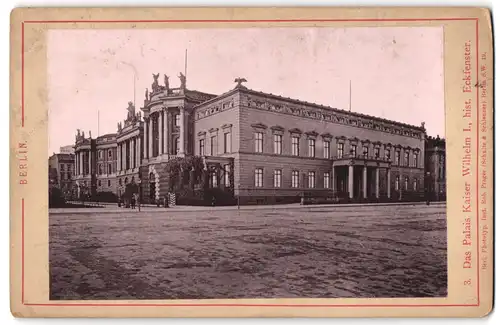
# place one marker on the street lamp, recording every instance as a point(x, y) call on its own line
point(139, 194)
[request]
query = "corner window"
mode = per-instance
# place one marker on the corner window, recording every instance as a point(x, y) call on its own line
point(227, 142)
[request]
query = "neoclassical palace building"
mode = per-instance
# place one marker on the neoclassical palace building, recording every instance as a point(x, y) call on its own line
point(275, 148)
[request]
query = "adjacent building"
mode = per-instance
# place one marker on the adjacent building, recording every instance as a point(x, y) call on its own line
point(435, 153)
point(262, 147)
point(61, 171)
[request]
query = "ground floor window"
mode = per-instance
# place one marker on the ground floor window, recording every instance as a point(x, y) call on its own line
point(311, 176)
point(406, 183)
point(277, 178)
point(295, 178)
point(396, 183)
point(259, 177)
point(415, 184)
point(326, 180)
point(109, 183)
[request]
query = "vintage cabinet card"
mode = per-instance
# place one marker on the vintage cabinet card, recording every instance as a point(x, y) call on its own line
point(233, 162)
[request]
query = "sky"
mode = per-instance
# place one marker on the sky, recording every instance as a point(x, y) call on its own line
point(395, 72)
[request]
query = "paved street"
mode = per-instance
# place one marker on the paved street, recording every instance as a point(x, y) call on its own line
point(381, 251)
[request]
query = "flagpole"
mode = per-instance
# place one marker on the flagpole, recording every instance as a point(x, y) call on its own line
point(185, 63)
point(349, 95)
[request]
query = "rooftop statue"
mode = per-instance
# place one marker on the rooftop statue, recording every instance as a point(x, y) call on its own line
point(165, 80)
point(240, 81)
point(183, 80)
point(155, 85)
point(131, 110)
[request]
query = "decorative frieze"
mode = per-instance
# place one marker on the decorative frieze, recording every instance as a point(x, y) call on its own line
point(320, 112)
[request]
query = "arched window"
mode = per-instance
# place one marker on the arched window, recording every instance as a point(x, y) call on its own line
point(396, 183)
point(132, 180)
point(415, 184)
point(120, 182)
point(406, 183)
point(126, 180)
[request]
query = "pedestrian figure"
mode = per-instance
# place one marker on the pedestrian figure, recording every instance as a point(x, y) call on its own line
point(132, 201)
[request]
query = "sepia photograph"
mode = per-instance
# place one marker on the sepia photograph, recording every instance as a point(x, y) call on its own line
point(222, 163)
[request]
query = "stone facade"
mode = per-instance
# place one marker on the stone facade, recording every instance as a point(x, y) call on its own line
point(435, 165)
point(275, 149)
point(61, 171)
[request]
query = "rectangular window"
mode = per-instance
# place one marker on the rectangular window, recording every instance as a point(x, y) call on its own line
point(277, 178)
point(406, 183)
point(340, 150)
point(311, 144)
point(227, 142)
point(407, 158)
point(415, 159)
point(295, 146)
point(177, 145)
point(226, 175)
point(69, 176)
point(109, 169)
point(202, 147)
point(326, 149)
point(326, 180)
point(388, 154)
point(109, 183)
point(377, 152)
point(100, 154)
point(354, 150)
point(212, 145)
point(365, 152)
point(61, 167)
point(109, 153)
point(177, 120)
point(278, 144)
point(415, 184)
point(295, 178)
point(311, 176)
point(259, 142)
point(398, 157)
point(396, 183)
point(259, 177)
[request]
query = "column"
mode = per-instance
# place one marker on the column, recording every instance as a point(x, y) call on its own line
point(124, 157)
point(138, 151)
point(150, 137)
point(377, 180)
point(144, 139)
point(334, 183)
point(351, 181)
point(131, 153)
point(117, 157)
point(388, 183)
point(181, 131)
point(166, 126)
point(160, 135)
point(90, 162)
point(365, 171)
